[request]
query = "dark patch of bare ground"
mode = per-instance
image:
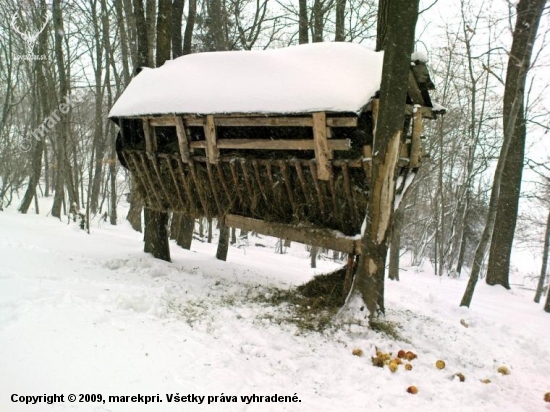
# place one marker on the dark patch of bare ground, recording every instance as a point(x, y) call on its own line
point(313, 305)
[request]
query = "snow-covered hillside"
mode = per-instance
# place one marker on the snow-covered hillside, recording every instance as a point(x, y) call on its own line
point(92, 314)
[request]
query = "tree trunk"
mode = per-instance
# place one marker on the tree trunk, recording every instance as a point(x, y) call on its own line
point(313, 253)
point(395, 246)
point(369, 280)
point(544, 267)
point(62, 127)
point(186, 227)
point(223, 243)
point(156, 234)
point(382, 24)
point(318, 23)
point(547, 305)
point(303, 27)
point(177, 20)
point(141, 34)
point(498, 268)
point(164, 32)
point(340, 20)
point(188, 35)
point(136, 207)
point(525, 31)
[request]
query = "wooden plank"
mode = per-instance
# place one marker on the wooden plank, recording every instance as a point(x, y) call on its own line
point(342, 121)
point(214, 187)
point(416, 144)
point(321, 148)
point(324, 238)
point(162, 121)
point(187, 188)
point(212, 151)
point(282, 121)
point(150, 138)
point(183, 141)
point(264, 144)
point(176, 185)
point(150, 179)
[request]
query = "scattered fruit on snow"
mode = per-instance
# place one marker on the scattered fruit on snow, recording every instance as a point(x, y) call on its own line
point(408, 366)
point(393, 366)
point(503, 370)
point(440, 364)
point(397, 360)
point(377, 361)
point(357, 352)
point(486, 380)
point(464, 323)
point(547, 397)
point(401, 354)
point(410, 356)
point(412, 389)
point(460, 376)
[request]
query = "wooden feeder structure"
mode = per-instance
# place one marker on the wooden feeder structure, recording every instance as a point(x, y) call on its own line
point(277, 142)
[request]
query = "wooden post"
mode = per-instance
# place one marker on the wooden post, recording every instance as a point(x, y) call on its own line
point(322, 152)
point(183, 141)
point(150, 138)
point(212, 151)
point(416, 144)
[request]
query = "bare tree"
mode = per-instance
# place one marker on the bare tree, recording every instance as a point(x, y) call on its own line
point(527, 22)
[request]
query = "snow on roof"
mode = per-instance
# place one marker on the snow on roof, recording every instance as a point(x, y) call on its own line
point(333, 77)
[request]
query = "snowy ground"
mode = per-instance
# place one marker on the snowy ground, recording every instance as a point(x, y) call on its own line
point(92, 314)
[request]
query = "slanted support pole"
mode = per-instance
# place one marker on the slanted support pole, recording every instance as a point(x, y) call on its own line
point(416, 144)
point(183, 141)
point(322, 151)
point(212, 151)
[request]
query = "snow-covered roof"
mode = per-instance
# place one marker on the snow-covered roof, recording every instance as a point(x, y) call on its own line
point(333, 77)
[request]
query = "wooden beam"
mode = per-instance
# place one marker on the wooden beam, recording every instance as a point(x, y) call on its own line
point(183, 141)
point(264, 144)
point(324, 238)
point(150, 138)
point(416, 144)
point(322, 151)
point(162, 121)
point(212, 151)
point(280, 121)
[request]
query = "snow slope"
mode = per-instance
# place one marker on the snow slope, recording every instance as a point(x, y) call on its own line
point(92, 314)
point(337, 77)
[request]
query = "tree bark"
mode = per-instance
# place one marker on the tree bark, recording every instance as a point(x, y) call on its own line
point(395, 246)
point(313, 253)
point(369, 280)
point(186, 227)
point(303, 27)
point(190, 25)
point(164, 32)
point(525, 31)
point(507, 208)
point(382, 24)
point(543, 270)
point(156, 234)
point(340, 20)
point(177, 20)
point(63, 127)
point(223, 243)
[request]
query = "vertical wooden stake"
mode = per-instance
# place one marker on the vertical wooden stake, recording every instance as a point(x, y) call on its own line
point(322, 152)
point(183, 141)
point(212, 151)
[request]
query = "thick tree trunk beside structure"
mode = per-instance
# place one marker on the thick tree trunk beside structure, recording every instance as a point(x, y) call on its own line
point(156, 234)
point(223, 243)
point(399, 40)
